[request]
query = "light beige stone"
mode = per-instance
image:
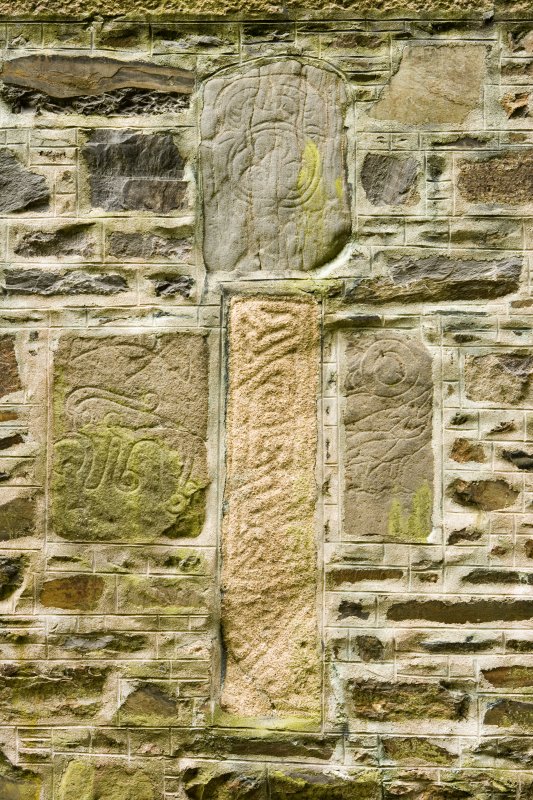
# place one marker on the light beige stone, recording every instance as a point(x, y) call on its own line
point(388, 425)
point(269, 577)
point(434, 84)
point(272, 159)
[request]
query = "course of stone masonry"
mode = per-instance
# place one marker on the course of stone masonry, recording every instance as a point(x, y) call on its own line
point(266, 401)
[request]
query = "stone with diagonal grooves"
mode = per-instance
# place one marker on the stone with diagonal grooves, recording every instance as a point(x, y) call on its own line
point(269, 578)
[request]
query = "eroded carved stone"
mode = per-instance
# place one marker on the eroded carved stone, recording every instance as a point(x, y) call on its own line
point(130, 419)
point(269, 563)
point(388, 422)
point(272, 160)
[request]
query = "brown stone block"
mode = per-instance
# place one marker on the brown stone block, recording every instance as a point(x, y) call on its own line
point(388, 426)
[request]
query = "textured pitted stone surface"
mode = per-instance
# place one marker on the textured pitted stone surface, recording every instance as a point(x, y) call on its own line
point(388, 424)
point(434, 85)
point(269, 617)
point(129, 170)
point(505, 178)
point(20, 188)
point(389, 180)
point(130, 424)
point(273, 160)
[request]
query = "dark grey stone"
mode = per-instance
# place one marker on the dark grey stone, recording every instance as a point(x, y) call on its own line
point(135, 171)
point(19, 188)
point(37, 281)
point(439, 277)
point(169, 286)
point(71, 240)
point(148, 246)
point(388, 179)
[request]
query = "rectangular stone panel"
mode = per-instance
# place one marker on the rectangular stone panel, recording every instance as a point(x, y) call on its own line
point(130, 427)
point(388, 391)
point(273, 161)
point(269, 573)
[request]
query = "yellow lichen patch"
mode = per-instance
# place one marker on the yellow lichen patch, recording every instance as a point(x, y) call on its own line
point(415, 525)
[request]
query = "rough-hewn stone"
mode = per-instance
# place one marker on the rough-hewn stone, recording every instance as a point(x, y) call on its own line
point(130, 418)
point(60, 282)
point(387, 420)
point(129, 170)
point(399, 701)
point(17, 783)
point(63, 78)
point(505, 178)
point(439, 277)
point(69, 240)
point(11, 574)
point(9, 371)
point(462, 612)
point(487, 495)
point(153, 246)
point(500, 378)
point(20, 189)
point(434, 85)
point(17, 518)
point(389, 180)
point(269, 560)
point(273, 161)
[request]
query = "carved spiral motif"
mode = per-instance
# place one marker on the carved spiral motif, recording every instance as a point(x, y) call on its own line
point(388, 369)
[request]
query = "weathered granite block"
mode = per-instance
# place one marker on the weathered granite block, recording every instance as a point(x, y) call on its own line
point(388, 423)
point(269, 580)
point(272, 160)
point(130, 422)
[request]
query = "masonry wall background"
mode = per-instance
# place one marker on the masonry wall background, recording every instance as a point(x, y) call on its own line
point(266, 407)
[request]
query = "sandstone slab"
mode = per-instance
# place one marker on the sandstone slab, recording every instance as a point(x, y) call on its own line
point(130, 421)
point(87, 780)
point(9, 371)
point(133, 171)
point(62, 76)
point(20, 188)
point(498, 377)
point(434, 85)
point(388, 426)
point(272, 161)
point(269, 575)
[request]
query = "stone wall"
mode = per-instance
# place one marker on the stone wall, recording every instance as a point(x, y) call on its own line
point(266, 412)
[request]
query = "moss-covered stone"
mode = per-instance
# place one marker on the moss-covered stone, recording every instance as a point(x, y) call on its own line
point(87, 780)
point(377, 700)
point(17, 783)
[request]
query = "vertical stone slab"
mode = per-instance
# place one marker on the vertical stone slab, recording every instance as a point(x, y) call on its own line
point(269, 573)
point(130, 427)
point(272, 159)
point(388, 426)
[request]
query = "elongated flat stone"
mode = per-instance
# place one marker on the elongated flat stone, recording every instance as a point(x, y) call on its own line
point(388, 424)
point(272, 161)
point(77, 76)
point(130, 418)
point(269, 576)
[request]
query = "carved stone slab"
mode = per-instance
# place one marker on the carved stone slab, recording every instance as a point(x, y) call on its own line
point(130, 421)
point(272, 159)
point(269, 579)
point(388, 426)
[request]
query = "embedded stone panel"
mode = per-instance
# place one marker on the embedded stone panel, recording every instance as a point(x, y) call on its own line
point(269, 565)
point(130, 426)
point(388, 430)
point(273, 159)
